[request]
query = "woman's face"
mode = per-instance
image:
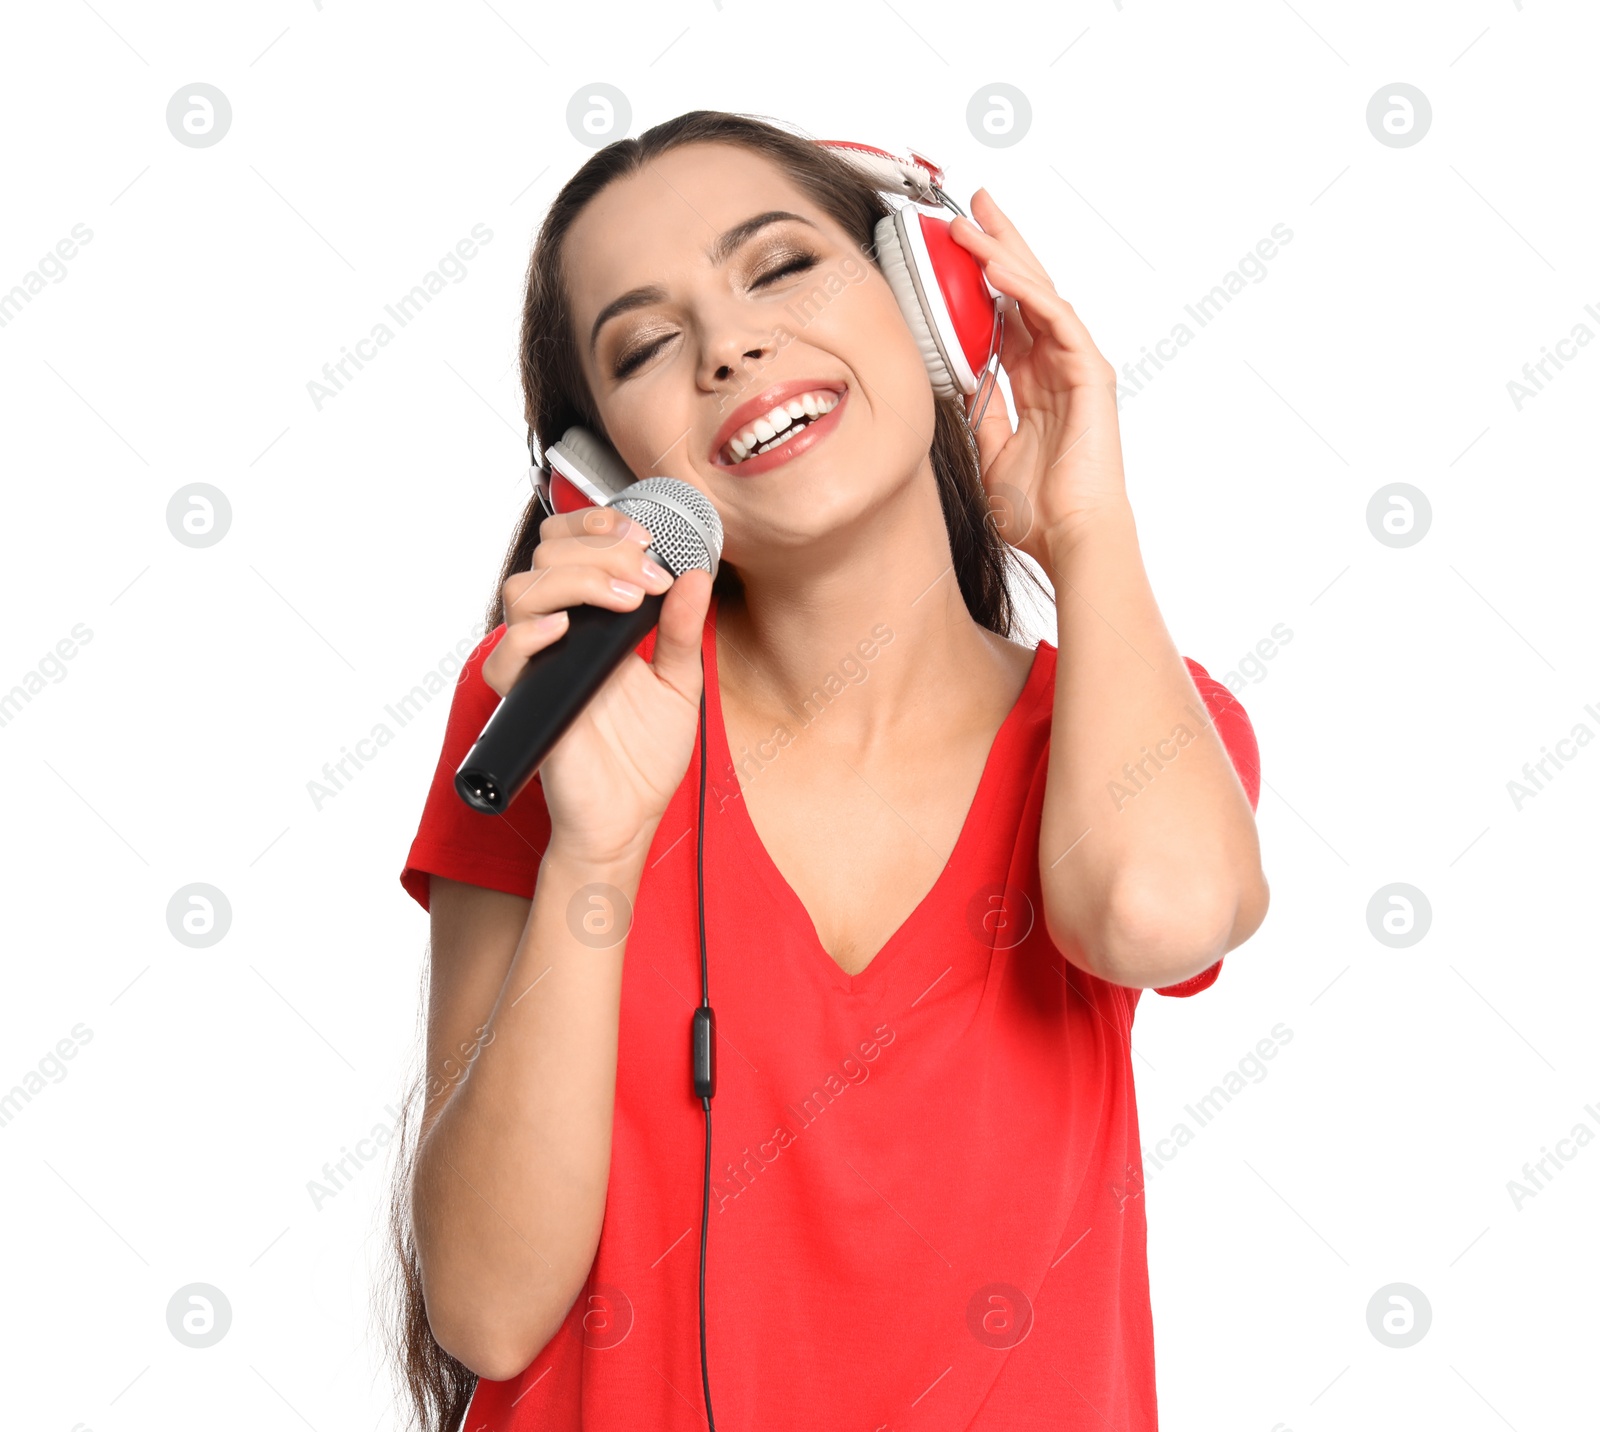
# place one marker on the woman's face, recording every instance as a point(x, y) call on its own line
point(711, 312)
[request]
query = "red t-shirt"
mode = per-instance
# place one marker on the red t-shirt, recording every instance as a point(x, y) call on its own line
point(925, 1208)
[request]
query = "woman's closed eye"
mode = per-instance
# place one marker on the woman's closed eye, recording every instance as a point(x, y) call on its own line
point(796, 262)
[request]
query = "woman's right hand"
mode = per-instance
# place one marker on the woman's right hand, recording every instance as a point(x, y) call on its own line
point(609, 778)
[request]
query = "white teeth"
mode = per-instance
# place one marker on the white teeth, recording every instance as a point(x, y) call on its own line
point(779, 420)
point(780, 440)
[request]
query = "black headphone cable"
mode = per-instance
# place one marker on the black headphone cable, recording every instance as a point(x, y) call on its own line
point(703, 1053)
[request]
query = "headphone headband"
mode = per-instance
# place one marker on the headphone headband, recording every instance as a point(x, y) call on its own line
point(910, 175)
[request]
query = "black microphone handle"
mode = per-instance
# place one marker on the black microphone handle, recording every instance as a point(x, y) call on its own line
point(547, 697)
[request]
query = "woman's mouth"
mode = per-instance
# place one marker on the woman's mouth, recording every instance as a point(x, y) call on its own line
point(784, 431)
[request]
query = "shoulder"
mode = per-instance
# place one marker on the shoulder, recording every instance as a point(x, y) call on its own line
point(1015, 660)
point(1226, 713)
point(452, 839)
point(1222, 711)
point(472, 664)
point(486, 643)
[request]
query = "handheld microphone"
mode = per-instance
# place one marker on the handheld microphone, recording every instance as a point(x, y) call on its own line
point(559, 681)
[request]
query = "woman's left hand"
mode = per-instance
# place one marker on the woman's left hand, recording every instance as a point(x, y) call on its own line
point(1063, 464)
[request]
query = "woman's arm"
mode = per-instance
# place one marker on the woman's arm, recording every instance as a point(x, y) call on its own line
point(1148, 857)
point(515, 1148)
point(1148, 854)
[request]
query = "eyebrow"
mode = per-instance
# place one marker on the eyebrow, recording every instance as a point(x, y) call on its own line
point(719, 252)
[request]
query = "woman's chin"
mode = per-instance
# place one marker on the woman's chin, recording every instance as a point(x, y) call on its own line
point(829, 512)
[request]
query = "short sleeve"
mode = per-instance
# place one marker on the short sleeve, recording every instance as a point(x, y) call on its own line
point(500, 852)
point(1239, 740)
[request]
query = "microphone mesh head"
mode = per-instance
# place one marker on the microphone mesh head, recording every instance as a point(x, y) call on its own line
point(684, 525)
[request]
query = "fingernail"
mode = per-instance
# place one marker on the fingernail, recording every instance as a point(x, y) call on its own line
point(625, 526)
point(551, 621)
point(652, 572)
point(625, 589)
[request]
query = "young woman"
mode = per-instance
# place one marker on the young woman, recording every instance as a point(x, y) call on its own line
point(939, 870)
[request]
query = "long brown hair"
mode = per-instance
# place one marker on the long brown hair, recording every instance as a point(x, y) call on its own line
point(556, 397)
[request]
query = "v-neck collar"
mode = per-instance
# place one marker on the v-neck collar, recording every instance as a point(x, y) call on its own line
point(720, 760)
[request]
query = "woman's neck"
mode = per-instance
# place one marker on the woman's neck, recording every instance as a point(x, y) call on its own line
point(874, 614)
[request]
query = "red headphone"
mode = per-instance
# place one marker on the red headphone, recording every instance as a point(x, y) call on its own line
point(953, 311)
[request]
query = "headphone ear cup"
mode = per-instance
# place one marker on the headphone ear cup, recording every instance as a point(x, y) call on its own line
point(946, 301)
point(897, 269)
point(585, 471)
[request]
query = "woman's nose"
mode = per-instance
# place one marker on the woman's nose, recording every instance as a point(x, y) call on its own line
point(734, 354)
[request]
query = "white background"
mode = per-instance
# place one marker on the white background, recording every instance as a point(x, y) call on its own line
point(1166, 140)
